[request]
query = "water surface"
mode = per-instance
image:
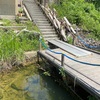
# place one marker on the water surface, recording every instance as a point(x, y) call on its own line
point(29, 83)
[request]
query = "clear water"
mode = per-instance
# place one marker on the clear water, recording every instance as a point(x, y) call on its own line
point(30, 84)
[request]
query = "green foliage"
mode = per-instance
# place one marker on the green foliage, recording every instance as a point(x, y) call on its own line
point(62, 72)
point(20, 10)
point(9, 46)
point(47, 73)
point(96, 3)
point(31, 26)
point(91, 98)
point(17, 19)
point(28, 41)
point(6, 22)
point(13, 46)
point(81, 13)
point(70, 40)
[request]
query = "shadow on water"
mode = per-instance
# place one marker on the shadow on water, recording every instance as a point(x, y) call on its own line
point(41, 87)
point(31, 84)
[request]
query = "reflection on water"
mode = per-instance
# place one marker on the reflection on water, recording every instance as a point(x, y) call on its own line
point(42, 87)
point(30, 84)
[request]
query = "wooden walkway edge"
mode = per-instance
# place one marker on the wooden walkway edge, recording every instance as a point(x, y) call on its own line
point(87, 76)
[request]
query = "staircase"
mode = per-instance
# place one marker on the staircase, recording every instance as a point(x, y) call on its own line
point(39, 18)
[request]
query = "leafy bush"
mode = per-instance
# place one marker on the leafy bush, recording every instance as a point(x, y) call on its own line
point(81, 13)
point(12, 46)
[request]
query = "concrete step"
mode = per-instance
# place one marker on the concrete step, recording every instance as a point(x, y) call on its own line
point(51, 32)
point(37, 14)
point(38, 20)
point(47, 30)
point(45, 24)
point(47, 27)
point(41, 22)
point(39, 17)
point(36, 9)
point(50, 36)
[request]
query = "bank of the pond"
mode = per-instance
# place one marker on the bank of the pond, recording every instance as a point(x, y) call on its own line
point(29, 83)
point(15, 39)
point(30, 57)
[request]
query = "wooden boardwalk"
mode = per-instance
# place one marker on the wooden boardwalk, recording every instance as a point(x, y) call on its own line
point(86, 75)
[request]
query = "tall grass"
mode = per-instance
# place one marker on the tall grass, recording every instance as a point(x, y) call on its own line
point(13, 46)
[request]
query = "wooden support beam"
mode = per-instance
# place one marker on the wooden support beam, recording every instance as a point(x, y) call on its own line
point(62, 60)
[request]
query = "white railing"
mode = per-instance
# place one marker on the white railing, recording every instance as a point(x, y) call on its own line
point(62, 26)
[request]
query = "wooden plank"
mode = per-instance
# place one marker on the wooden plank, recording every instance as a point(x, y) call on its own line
point(90, 82)
point(90, 72)
point(70, 48)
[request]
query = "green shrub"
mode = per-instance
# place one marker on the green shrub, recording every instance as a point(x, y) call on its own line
point(13, 46)
point(81, 13)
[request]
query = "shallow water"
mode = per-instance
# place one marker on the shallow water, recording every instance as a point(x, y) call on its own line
point(29, 83)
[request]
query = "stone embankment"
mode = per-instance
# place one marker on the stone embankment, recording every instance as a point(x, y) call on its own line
point(29, 58)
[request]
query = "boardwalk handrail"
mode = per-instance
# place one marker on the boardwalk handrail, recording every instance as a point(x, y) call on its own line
point(86, 63)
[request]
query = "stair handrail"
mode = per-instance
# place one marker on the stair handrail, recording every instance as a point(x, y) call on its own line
point(64, 27)
point(60, 25)
point(51, 15)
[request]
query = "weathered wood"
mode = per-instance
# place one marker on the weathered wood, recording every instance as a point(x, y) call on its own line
point(62, 60)
point(69, 25)
point(51, 14)
point(87, 76)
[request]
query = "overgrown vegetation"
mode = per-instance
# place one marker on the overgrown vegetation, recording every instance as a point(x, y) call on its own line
point(96, 3)
point(14, 42)
point(91, 98)
point(82, 13)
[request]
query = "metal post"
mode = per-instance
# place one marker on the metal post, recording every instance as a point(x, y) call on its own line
point(62, 60)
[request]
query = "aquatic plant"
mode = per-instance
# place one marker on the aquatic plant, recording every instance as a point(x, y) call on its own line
point(62, 72)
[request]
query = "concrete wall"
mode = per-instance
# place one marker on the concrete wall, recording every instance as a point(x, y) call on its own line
point(8, 7)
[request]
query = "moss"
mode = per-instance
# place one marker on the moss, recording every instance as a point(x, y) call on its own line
point(11, 84)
